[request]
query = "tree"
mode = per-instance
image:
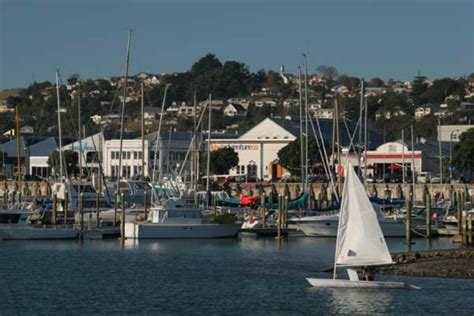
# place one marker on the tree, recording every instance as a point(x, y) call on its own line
point(327, 72)
point(70, 160)
point(376, 82)
point(419, 89)
point(463, 152)
point(290, 157)
point(223, 159)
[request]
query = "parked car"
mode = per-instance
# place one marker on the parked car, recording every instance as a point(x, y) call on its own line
point(436, 179)
point(423, 177)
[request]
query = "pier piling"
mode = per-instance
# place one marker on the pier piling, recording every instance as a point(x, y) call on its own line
point(408, 220)
point(55, 209)
point(145, 205)
point(97, 217)
point(81, 213)
point(122, 218)
point(428, 214)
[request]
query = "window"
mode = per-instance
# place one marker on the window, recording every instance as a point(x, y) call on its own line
point(140, 155)
point(135, 155)
point(129, 154)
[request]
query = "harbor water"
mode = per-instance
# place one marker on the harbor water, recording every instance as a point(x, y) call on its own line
point(245, 276)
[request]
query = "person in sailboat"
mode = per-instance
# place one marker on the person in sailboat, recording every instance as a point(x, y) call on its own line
point(368, 273)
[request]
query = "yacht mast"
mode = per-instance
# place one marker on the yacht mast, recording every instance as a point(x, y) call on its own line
point(209, 144)
point(143, 131)
point(18, 159)
point(119, 172)
point(359, 154)
point(303, 181)
point(306, 122)
point(59, 128)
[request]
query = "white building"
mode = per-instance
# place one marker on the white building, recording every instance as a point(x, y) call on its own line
point(448, 133)
point(232, 110)
point(131, 157)
point(91, 148)
point(258, 148)
point(38, 155)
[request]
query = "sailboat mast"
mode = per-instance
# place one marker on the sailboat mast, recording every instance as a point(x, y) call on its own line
point(360, 125)
point(306, 122)
point(338, 142)
point(366, 143)
point(143, 130)
point(80, 138)
point(120, 173)
point(158, 137)
point(193, 164)
point(59, 128)
point(209, 144)
point(303, 181)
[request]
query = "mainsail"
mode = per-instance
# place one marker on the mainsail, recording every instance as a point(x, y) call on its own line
point(360, 241)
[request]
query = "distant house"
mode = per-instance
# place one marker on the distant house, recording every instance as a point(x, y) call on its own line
point(232, 110)
point(423, 111)
point(262, 103)
point(27, 130)
point(243, 102)
point(151, 113)
point(325, 114)
point(216, 104)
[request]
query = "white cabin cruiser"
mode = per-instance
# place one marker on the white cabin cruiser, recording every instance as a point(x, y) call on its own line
point(175, 219)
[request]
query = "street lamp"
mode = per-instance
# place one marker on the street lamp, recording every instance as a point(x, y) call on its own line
point(451, 153)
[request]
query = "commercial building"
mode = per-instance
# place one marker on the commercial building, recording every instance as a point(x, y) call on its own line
point(451, 133)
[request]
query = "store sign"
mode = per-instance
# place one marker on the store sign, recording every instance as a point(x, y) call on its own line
point(236, 147)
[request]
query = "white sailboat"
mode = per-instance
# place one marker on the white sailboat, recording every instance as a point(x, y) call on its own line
point(360, 241)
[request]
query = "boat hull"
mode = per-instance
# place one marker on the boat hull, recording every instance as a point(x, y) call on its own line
point(331, 283)
point(36, 233)
point(180, 231)
point(328, 228)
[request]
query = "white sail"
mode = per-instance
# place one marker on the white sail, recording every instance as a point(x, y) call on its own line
point(360, 241)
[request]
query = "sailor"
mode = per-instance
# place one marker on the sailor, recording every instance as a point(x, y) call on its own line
point(368, 274)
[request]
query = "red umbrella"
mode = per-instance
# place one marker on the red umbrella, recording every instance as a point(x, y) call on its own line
point(395, 167)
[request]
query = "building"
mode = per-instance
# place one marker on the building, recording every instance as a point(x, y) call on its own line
point(258, 148)
point(131, 157)
point(233, 110)
point(38, 157)
point(88, 151)
point(450, 133)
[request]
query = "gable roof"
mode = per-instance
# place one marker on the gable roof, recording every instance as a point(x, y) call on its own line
point(43, 148)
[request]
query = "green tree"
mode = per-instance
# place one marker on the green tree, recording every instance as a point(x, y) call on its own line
point(290, 157)
point(70, 160)
point(222, 160)
point(327, 72)
point(419, 89)
point(463, 152)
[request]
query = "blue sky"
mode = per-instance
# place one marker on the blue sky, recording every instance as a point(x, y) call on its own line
point(385, 38)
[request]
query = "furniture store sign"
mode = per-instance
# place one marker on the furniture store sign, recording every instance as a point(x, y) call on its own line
point(236, 147)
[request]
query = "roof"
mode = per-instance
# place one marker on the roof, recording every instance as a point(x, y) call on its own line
point(43, 148)
point(375, 138)
point(9, 148)
point(167, 135)
point(239, 108)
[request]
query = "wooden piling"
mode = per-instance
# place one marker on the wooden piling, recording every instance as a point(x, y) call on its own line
point(427, 198)
point(408, 220)
point(66, 203)
point(145, 205)
point(214, 204)
point(122, 218)
point(263, 208)
point(285, 212)
point(469, 229)
point(115, 209)
point(81, 213)
point(459, 212)
point(55, 209)
point(280, 209)
point(97, 206)
point(5, 198)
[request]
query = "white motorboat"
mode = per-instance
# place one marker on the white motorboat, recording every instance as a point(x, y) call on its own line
point(360, 242)
point(327, 225)
point(177, 220)
point(17, 225)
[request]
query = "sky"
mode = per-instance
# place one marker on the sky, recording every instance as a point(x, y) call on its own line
point(377, 38)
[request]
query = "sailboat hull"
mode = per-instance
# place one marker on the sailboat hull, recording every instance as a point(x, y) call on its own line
point(327, 227)
point(331, 283)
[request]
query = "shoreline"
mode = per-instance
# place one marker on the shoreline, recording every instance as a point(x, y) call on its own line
point(452, 263)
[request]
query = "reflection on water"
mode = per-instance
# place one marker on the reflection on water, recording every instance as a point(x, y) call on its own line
point(360, 301)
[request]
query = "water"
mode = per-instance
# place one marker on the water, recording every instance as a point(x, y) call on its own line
point(246, 276)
